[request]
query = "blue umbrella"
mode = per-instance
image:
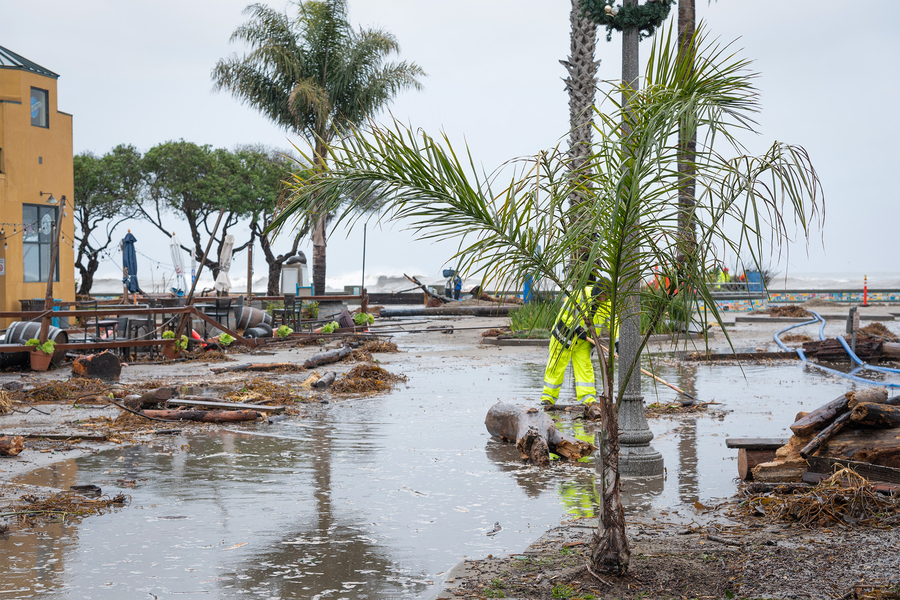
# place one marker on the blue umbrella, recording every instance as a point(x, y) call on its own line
point(129, 262)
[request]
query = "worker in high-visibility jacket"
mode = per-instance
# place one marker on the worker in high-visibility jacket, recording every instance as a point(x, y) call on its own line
point(569, 343)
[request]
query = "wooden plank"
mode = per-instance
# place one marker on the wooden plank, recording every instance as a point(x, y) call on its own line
point(65, 436)
point(821, 464)
point(223, 404)
point(756, 443)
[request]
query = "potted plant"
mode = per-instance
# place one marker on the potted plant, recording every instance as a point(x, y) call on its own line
point(41, 354)
point(172, 352)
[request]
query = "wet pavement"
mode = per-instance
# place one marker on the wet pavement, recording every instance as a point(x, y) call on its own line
point(377, 498)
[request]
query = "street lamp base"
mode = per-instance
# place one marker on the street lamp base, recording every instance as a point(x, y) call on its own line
point(640, 461)
point(637, 458)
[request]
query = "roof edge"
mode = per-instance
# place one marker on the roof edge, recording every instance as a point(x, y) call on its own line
point(20, 62)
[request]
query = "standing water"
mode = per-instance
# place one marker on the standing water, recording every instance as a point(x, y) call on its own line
point(374, 498)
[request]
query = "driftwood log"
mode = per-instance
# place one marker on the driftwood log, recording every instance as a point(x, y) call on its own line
point(149, 399)
point(870, 414)
point(534, 434)
point(327, 357)
point(823, 416)
point(254, 367)
point(325, 380)
point(478, 293)
point(832, 351)
point(747, 459)
point(105, 366)
point(825, 435)
point(11, 445)
point(204, 416)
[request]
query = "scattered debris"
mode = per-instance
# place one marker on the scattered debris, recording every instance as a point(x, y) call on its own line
point(377, 346)
point(366, 378)
point(11, 445)
point(493, 332)
point(204, 416)
point(104, 366)
point(327, 357)
point(325, 380)
point(6, 402)
point(845, 498)
point(791, 310)
point(877, 331)
point(283, 367)
point(863, 426)
point(64, 506)
point(796, 337)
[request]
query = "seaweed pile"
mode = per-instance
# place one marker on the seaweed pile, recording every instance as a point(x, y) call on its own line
point(846, 498)
point(365, 379)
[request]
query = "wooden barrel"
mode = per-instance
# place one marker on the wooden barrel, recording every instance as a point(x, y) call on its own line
point(20, 332)
point(248, 317)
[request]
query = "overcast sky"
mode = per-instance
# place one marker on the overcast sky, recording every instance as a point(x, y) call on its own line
point(139, 73)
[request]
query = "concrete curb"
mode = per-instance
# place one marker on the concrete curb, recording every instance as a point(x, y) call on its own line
point(754, 319)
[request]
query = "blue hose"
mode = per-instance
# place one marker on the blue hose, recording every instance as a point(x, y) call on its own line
point(864, 365)
point(853, 356)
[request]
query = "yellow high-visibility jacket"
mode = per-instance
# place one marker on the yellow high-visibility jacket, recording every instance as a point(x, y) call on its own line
point(570, 325)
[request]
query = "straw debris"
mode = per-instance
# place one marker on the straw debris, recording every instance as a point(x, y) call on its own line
point(877, 331)
point(379, 346)
point(6, 402)
point(64, 505)
point(366, 378)
point(791, 310)
point(796, 337)
point(846, 498)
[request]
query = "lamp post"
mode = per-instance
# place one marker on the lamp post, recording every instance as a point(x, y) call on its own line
point(636, 456)
point(54, 257)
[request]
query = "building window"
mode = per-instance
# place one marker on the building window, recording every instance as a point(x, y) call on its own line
point(40, 108)
point(37, 234)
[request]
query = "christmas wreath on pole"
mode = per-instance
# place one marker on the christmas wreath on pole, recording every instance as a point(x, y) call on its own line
point(644, 17)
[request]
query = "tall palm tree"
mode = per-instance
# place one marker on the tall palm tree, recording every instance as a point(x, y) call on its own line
point(744, 202)
point(312, 74)
point(581, 84)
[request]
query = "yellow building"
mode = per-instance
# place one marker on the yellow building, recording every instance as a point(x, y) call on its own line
point(35, 175)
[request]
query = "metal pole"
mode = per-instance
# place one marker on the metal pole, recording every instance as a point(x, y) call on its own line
point(249, 270)
point(636, 456)
point(190, 297)
point(362, 283)
point(54, 251)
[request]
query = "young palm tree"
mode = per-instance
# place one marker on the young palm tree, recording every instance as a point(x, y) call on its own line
point(312, 74)
point(629, 212)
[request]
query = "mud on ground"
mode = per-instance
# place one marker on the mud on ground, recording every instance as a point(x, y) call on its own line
point(671, 561)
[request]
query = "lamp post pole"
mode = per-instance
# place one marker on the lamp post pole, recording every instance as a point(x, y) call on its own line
point(54, 257)
point(636, 456)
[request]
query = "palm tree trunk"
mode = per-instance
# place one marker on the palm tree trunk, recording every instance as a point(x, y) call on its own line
point(609, 546)
point(687, 142)
point(318, 230)
point(581, 84)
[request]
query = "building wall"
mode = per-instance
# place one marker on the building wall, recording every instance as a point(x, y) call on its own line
point(33, 160)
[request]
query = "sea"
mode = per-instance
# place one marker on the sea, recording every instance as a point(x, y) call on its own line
point(396, 282)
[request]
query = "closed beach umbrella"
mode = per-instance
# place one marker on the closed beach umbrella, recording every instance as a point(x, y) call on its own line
point(129, 262)
point(223, 281)
point(178, 262)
